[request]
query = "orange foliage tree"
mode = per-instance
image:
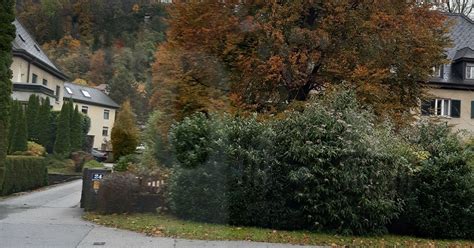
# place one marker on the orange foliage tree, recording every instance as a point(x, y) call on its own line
point(264, 55)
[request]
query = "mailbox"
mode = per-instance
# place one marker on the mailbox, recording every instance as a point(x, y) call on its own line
point(91, 180)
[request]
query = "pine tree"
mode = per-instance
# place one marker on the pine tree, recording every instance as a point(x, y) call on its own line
point(76, 130)
point(7, 35)
point(125, 132)
point(20, 139)
point(44, 124)
point(31, 114)
point(62, 145)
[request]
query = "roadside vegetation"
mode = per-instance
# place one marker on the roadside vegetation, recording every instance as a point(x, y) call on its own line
point(168, 226)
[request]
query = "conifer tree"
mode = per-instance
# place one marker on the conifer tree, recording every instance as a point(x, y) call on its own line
point(76, 130)
point(62, 145)
point(44, 124)
point(125, 132)
point(13, 124)
point(7, 35)
point(31, 114)
point(20, 138)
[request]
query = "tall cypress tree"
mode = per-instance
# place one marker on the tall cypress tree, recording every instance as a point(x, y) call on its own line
point(76, 130)
point(32, 117)
point(44, 124)
point(15, 108)
point(20, 139)
point(7, 35)
point(62, 145)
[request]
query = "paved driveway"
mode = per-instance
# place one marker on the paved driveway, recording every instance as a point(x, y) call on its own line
point(52, 218)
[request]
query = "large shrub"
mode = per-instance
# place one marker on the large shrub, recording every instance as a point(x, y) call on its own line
point(327, 168)
point(117, 193)
point(24, 173)
point(198, 184)
point(340, 167)
point(440, 199)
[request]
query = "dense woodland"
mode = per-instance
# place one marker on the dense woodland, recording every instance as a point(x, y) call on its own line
point(100, 42)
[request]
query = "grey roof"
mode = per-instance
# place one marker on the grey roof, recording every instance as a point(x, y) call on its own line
point(462, 36)
point(461, 33)
point(24, 41)
point(97, 97)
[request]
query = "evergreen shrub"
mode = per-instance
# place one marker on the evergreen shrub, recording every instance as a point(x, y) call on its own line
point(24, 173)
point(440, 199)
point(327, 168)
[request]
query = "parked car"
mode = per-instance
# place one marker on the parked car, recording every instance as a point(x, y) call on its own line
point(98, 155)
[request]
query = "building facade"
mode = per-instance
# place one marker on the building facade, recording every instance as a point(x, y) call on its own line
point(34, 73)
point(100, 108)
point(452, 86)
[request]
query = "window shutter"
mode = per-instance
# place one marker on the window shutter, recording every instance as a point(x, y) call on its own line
point(426, 108)
point(456, 108)
point(472, 109)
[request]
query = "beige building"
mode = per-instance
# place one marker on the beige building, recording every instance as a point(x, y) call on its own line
point(33, 72)
point(452, 85)
point(100, 108)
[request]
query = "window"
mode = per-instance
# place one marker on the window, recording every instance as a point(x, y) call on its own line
point(442, 107)
point(35, 78)
point(68, 90)
point(37, 48)
point(58, 92)
point(85, 109)
point(105, 131)
point(437, 71)
point(470, 71)
point(86, 93)
point(45, 82)
point(106, 114)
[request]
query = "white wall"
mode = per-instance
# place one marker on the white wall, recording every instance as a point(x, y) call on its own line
point(19, 68)
point(96, 114)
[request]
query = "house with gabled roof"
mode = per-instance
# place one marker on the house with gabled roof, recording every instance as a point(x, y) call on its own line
point(100, 108)
point(35, 73)
point(452, 84)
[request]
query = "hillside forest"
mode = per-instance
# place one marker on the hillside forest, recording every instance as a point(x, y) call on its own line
point(97, 42)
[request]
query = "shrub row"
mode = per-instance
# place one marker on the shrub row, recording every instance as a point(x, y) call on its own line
point(24, 173)
point(327, 168)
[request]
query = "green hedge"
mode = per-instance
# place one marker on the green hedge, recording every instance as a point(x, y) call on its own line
point(327, 168)
point(24, 173)
point(331, 167)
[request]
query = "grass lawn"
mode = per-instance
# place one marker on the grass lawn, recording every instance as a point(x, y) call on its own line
point(168, 226)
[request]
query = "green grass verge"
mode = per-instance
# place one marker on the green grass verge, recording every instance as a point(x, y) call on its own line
point(66, 166)
point(168, 226)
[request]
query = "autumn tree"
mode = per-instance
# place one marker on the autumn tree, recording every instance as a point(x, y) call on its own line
point(98, 68)
point(272, 53)
point(7, 35)
point(125, 134)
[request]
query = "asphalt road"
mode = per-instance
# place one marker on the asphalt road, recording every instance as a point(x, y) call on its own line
point(52, 218)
